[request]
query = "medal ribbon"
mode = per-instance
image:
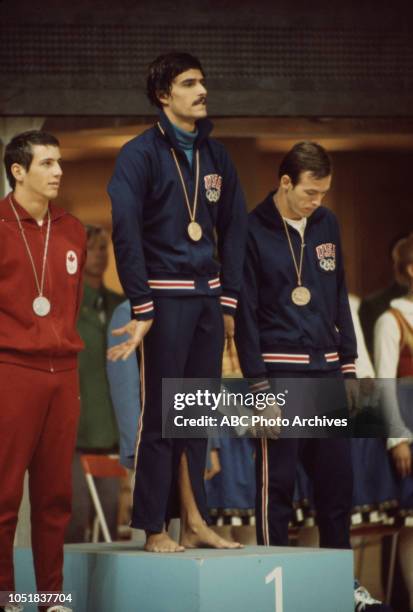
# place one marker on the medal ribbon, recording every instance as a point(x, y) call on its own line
point(192, 213)
point(40, 285)
point(298, 267)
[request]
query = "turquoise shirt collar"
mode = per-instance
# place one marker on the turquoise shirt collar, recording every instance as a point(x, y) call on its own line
point(186, 141)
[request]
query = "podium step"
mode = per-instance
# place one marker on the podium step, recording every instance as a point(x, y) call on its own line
point(120, 577)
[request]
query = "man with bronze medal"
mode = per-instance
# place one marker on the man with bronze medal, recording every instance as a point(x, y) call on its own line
point(42, 257)
point(176, 201)
point(294, 322)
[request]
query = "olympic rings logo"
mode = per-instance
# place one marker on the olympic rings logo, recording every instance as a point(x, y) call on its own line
point(328, 264)
point(213, 195)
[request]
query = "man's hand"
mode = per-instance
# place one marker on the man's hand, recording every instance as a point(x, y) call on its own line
point(137, 331)
point(215, 466)
point(352, 393)
point(402, 458)
point(262, 430)
point(229, 327)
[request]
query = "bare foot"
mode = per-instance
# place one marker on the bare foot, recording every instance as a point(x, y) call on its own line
point(161, 543)
point(202, 536)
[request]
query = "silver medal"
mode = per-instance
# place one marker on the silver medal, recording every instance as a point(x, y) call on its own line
point(41, 306)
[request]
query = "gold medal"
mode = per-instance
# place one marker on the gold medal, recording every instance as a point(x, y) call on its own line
point(194, 231)
point(301, 296)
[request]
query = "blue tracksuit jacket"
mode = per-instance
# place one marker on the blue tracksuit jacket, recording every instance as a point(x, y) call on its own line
point(154, 254)
point(271, 331)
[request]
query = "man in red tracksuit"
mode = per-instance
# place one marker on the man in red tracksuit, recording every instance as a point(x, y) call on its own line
point(42, 253)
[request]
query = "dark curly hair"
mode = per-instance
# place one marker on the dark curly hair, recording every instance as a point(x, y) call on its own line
point(164, 69)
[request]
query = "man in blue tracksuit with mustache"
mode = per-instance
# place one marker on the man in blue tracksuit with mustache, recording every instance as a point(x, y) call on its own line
point(294, 321)
point(176, 201)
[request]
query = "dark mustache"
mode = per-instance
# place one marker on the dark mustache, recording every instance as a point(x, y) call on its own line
point(200, 100)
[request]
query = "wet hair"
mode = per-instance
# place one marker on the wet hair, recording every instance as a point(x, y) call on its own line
point(19, 150)
point(164, 69)
point(305, 157)
point(403, 257)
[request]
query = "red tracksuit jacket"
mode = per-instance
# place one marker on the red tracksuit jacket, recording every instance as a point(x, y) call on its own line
point(50, 342)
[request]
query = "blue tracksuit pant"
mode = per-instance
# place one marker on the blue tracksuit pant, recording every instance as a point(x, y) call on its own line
point(327, 462)
point(185, 341)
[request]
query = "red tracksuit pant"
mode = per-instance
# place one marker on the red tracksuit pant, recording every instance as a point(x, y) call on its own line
point(39, 412)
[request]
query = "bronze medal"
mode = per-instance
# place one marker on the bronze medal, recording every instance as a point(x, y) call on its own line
point(194, 231)
point(301, 296)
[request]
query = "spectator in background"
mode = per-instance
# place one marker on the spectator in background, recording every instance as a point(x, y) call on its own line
point(98, 431)
point(124, 386)
point(373, 488)
point(364, 367)
point(393, 348)
point(375, 304)
point(231, 490)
